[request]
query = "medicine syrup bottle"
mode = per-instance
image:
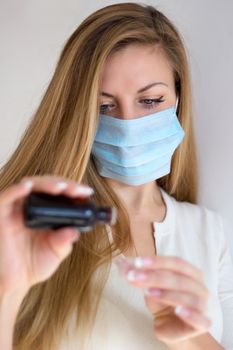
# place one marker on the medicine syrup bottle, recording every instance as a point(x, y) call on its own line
point(42, 210)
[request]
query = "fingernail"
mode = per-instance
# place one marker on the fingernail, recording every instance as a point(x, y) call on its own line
point(84, 190)
point(61, 185)
point(133, 276)
point(138, 262)
point(27, 184)
point(153, 291)
point(182, 311)
point(143, 262)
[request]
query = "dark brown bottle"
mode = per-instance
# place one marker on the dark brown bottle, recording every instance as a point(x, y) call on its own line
point(42, 210)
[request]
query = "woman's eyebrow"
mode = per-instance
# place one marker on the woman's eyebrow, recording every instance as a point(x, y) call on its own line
point(139, 91)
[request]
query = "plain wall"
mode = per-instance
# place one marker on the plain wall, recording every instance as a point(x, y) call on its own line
point(33, 33)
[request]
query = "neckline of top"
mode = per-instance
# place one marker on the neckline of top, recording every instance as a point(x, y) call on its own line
point(166, 226)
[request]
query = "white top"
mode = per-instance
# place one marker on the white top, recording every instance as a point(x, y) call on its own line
point(124, 322)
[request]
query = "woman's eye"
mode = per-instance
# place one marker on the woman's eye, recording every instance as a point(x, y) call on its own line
point(152, 102)
point(147, 103)
point(105, 107)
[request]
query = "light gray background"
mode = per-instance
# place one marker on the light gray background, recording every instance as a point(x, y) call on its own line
point(32, 34)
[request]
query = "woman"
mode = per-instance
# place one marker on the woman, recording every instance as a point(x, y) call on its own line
point(115, 121)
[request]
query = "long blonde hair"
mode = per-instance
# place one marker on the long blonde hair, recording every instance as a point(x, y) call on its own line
point(58, 140)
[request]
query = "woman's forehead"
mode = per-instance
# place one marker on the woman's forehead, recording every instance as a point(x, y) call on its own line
point(135, 66)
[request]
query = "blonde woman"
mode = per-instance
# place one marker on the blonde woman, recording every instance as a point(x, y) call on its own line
point(115, 123)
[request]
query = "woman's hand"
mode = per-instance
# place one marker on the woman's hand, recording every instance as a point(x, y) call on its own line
point(174, 292)
point(29, 256)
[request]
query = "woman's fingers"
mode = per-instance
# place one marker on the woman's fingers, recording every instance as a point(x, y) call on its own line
point(175, 264)
point(12, 198)
point(155, 296)
point(30, 256)
point(14, 193)
point(177, 286)
point(58, 185)
point(166, 280)
point(61, 241)
point(193, 317)
point(50, 184)
point(180, 284)
point(51, 248)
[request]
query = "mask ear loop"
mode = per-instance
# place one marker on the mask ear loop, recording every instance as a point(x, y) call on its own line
point(177, 102)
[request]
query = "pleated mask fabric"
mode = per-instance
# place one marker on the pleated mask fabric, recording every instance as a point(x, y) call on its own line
point(138, 150)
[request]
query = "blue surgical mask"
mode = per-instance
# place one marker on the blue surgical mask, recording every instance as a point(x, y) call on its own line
point(139, 150)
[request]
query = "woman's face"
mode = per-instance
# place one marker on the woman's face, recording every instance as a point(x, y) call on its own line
point(137, 81)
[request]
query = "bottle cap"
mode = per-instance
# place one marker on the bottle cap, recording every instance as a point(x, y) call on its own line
point(107, 215)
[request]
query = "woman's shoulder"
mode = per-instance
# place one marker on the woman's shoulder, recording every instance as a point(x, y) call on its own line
point(197, 226)
point(196, 211)
point(194, 216)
